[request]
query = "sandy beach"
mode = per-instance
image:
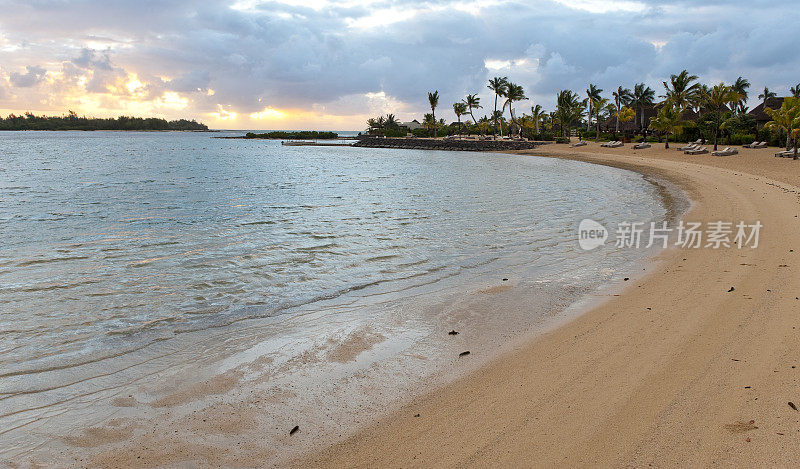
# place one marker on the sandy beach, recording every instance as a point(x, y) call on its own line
point(677, 370)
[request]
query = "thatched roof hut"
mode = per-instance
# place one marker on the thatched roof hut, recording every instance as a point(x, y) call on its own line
point(759, 114)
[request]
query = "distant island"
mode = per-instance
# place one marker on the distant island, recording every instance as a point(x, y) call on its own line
point(300, 134)
point(72, 121)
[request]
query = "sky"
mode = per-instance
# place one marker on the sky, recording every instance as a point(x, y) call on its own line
point(330, 65)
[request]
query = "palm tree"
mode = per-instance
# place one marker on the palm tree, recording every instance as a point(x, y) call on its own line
point(391, 121)
point(459, 109)
point(766, 95)
point(626, 114)
point(473, 102)
point(372, 124)
point(622, 97)
point(569, 109)
point(497, 116)
point(498, 86)
point(433, 99)
point(593, 94)
point(716, 99)
point(785, 118)
point(429, 122)
point(667, 121)
point(795, 90)
point(598, 104)
point(483, 125)
point(682, 90)
point(740, 87)
point(537, 113)
point(643, 96)
point(514, 92)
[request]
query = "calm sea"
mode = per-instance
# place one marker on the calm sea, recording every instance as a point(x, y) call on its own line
point(126, 254)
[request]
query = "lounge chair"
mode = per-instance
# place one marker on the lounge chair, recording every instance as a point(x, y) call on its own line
point(641, 146)
point(606, 144)
point(689, 146)
point(760, 145)
point(582, 143)
point(727, 151)
point(785, 154)
point(750, 145)
point(697, 151)
point(616, 144)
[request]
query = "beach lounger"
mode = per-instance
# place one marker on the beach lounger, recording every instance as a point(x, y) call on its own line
point(690, 146)
point(582, 143)
point(641, 146)
point(785, 154)
point(727, 151)
point(697, 151)
point(616, 144)
point(750, 145)
point(606, 144)
point(760, 145)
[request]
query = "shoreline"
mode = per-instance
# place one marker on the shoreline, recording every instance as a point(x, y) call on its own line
point(479, 145)
point(467, 307)
point(654, 368)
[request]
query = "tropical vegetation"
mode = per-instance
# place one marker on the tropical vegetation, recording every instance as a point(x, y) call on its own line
point(71, 121)
point(685, 109)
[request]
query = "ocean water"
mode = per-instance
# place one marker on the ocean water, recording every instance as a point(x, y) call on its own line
point(125, 255)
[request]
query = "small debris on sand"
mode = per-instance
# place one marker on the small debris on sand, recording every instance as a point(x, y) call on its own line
point(463, 354)
point(453, 332)
point(626, 279)
point(731, 289)
point(505, 280)
point(741, 427)
point(294, 430)
point(791, 404)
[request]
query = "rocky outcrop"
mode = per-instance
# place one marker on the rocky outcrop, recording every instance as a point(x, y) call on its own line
point(450, 145)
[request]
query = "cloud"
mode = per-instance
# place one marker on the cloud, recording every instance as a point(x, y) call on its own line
point(32, 77)
point(308, 61)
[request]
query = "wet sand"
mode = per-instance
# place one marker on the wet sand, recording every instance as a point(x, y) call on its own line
point(675, 371)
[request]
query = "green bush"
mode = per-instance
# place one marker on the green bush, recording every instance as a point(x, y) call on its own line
point(394, 133)
point(562, 139)
point(741, 139)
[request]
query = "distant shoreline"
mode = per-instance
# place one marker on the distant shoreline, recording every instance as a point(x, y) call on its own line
point(447, 144)
point(108, 130)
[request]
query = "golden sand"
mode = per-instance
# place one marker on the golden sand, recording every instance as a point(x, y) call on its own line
point(676, 371)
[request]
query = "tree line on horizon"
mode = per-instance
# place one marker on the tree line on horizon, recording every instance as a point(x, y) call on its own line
point(687, 109)
point(71, 121)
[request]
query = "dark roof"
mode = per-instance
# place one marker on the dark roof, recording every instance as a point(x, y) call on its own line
point(758, 111)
